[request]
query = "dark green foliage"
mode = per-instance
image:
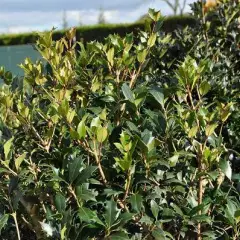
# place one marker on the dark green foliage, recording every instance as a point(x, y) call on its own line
point(99, 32)
point(136, 137)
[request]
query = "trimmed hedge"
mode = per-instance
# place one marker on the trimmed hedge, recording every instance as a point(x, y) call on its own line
point(99, 32)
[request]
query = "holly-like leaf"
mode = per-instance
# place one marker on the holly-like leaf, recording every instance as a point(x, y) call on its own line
point(136, 201)
point(226, 168)
point(127, 92)
point(60, 202)
point(112, 213)
point(3, 221)
point(75, 166)
point(210, 129)
point(7, 148)
point(89, 216)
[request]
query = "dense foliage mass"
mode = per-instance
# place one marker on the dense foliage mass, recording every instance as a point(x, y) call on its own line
point(99, 32)
point(134, 138)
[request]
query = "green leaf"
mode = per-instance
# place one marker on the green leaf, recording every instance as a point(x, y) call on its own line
point(210, 129)
point(159, 234)
point(177, 209)
point(3, 221)
point(193, 131)
point(19, 161)
point(96, 122)
point(63, 109)
point(159, 96)
point(70, 115)
point(154, 15)
point(226, 168)
point(81, 129)
point(236, 216)
point(7, 147)
point(204, 88)
point(86, 194)
point(119, 236)
point(168, 213)
point(74, 168)
point(63, 231)
point(147, 220)
point(112, 213)
point(126, 217)
point(110, 56)
point(136, 201)
point(103, 114)
point(154, 209)
point(141, 56)
point(202, 218)
point(102, 134)
point(151, 13)
point(60, 202)
point(85, 174)
point(173, 160)
point(88, 215)
point(127, 92)
point(125, 162)
point(152, 40)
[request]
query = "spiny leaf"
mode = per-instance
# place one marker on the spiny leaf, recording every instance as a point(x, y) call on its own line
point(74, 168)
point(136, 201)
point(112, 213)
point(88, 215)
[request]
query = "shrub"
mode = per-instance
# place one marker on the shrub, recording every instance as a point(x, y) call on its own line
point(99, 32)
point(123, 141)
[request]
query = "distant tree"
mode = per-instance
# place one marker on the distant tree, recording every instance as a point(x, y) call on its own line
point(64, 20)
point(80, 19)
point(101, 17)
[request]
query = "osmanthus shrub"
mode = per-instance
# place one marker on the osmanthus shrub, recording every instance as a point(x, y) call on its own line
point(123, 141)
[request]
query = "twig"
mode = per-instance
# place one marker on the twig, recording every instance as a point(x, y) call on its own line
point(14, 215)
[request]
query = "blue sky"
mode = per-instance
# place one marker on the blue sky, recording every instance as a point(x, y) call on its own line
point(36, 15)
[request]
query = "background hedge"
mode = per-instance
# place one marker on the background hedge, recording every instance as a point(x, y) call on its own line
point(99, 32)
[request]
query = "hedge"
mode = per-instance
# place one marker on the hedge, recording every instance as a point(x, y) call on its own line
point(99, 32)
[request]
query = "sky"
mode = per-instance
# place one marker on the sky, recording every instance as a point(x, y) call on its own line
point(39, 15)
